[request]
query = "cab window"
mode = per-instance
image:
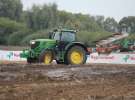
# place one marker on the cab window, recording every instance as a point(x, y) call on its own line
point(68, 36)
point(57, 36)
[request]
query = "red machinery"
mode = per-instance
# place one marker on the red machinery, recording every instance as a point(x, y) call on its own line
point(108, 45)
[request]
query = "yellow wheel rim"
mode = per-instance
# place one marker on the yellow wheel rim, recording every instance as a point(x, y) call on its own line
point(48, 58)
point(76, 57)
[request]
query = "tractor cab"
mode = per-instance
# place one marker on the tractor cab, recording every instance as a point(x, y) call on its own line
point(63, 35)
point(63, 38)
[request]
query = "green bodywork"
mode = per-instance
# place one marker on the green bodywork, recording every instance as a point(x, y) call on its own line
point(125, 43)
point(35, 52)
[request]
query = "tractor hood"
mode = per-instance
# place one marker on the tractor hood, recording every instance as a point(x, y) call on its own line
point(43, 43)
point(44, 40)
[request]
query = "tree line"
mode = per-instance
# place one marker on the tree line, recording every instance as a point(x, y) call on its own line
point(18, 27)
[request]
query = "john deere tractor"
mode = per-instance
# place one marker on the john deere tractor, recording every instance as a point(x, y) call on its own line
point(61, 46)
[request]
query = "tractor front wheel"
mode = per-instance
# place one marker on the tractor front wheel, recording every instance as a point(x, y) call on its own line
point(46, 57)
point(76, 55)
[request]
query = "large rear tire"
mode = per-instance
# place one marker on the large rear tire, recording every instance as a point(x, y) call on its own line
point(46, 57)
point(76, 56)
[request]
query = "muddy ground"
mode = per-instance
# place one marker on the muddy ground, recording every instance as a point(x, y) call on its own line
point(60, 82)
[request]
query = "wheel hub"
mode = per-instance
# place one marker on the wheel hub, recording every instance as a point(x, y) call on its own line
point(76, 57)
point(48, 58)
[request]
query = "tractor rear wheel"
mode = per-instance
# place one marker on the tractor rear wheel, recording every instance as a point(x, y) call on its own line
point(76, 55)
point(46, 57)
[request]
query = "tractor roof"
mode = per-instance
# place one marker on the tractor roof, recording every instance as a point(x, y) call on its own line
point(66, 30)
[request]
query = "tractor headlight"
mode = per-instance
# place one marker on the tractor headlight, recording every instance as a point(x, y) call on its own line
point(32, 42)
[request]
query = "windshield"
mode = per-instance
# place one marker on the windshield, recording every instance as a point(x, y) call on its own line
point(68, 36)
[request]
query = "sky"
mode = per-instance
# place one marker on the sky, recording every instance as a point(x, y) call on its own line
point(109, 8)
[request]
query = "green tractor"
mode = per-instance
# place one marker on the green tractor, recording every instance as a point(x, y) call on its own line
point(61, 46)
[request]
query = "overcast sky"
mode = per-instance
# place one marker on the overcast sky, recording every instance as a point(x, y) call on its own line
point(108, 8)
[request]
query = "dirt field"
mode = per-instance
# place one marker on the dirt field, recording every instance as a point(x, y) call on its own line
point(86, 82)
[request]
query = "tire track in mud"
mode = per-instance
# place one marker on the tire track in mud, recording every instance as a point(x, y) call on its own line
point(28, 73)
point(19, 66)
point(55, 82)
